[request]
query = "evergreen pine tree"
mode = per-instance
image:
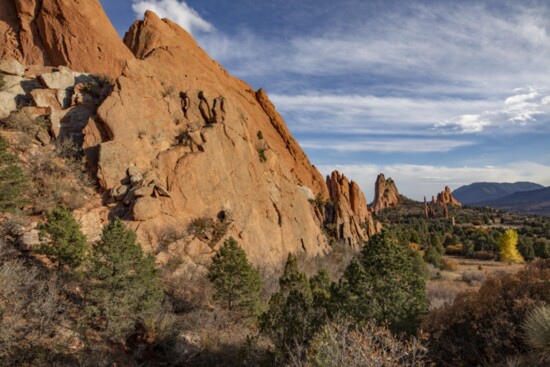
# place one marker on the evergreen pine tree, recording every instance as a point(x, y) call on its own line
point(122, 282)
point(61, 239)
point(383, 286)
point(289, 319)
point(236, 281)
point(12, 179)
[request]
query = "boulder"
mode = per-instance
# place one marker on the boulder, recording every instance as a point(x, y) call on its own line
point(12, 67)
point(146, 208)
point(307, 192)
point(46, 98)
point(7, 105)
point(58, 80)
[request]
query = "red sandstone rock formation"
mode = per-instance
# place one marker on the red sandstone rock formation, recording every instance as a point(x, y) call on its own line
point(175, 137)
point(76, 34)
point(385, 193)
point(445, 197)
point(349, 213)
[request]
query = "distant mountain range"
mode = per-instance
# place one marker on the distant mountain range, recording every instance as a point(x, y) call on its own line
point(519, 197)
point(524, 202)
point(483, 192)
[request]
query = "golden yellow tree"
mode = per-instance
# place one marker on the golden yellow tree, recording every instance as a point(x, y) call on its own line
point(507, 244)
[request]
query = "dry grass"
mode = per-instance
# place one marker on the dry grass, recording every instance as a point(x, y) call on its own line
point(463, 275)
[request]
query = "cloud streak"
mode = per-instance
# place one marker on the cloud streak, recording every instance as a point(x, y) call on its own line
point(385, 145)
point(177, 11)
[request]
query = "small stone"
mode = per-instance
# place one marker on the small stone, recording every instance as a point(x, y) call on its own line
point(144, 191)
point(43, 137)
point(133, 171)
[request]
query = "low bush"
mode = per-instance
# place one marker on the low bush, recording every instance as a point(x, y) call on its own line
point(449, 264)
point(342, 345)
point(485, 326)
point(12, 179)
point(29, 310)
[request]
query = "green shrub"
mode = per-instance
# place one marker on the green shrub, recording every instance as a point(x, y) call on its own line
point(200, 227)
point(260, 135)
point(236, 282)
point(542, 248)
point(62, 241)
point(419, 265)
point(12, 179)
point(122, 282)
point(432, 256)
point(537, 330)
point(2, 82)
point(526, 249)
point(468, 248)
point(261, 155)
point(382, 286)
point(486, 326)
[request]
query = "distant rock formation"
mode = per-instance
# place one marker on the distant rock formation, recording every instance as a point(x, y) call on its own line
point(386, 194)
point(445, 197)
point(348, 213)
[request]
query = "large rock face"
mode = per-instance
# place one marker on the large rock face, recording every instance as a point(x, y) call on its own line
point(348, 212)
point(71, 33)
point(178, 145)
point(385, 193)
point(445, 197)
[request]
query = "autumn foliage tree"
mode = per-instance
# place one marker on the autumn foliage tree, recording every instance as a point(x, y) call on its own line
point(507, 245)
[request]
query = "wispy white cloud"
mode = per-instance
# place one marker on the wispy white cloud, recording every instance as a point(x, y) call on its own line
point(360, 113)
point(417, 181)
point(459, 45)
point(177, 11)
point(385, 145)
point(521, 108)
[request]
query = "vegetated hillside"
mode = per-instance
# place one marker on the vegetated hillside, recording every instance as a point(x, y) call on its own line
point(479, 192)
point(536, 202)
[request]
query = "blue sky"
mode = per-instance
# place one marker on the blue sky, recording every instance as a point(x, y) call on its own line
point(431, 93)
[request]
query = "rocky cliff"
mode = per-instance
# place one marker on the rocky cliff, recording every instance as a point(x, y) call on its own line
point(386, 194)
point(347, 212)
point(76, 34)
point(176, 143)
